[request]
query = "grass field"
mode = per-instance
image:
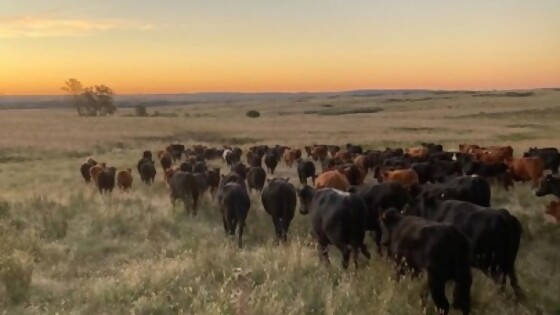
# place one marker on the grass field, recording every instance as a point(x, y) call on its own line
point(133, 253)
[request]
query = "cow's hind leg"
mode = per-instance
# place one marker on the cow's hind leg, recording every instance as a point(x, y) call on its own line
point(437, 291)
point(344, 248)
point(241, 226)
point(323, 249)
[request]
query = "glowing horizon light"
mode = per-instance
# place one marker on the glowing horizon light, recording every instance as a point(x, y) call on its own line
point(142, 47)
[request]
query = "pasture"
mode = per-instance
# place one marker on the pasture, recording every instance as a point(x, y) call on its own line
point(135, 253)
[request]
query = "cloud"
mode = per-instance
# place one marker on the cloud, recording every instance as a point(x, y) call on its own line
point(60, 27)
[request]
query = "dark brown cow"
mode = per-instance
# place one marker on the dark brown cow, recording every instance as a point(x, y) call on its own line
point(124, 179)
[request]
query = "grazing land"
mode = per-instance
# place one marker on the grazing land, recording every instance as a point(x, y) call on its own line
point(135, 253)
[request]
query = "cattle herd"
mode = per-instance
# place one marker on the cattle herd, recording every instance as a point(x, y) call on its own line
point(427, 208)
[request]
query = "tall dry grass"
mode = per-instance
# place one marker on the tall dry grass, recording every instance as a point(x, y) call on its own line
point(65, 249)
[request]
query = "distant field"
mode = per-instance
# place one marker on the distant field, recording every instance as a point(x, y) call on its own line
point(134, 253)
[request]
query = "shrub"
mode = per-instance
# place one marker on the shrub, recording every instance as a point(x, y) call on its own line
point(141, 111)
point(253, 114)
point(16, 271)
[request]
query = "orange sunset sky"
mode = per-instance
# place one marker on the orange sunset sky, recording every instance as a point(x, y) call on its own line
point(141, 46)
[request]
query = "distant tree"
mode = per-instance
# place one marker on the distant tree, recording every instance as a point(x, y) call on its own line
point(141, 111)
point(104, 100)
point(75, 88)
point(90, 101)
point(253, 114)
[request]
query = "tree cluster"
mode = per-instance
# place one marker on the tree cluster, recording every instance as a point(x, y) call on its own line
point(90, 101)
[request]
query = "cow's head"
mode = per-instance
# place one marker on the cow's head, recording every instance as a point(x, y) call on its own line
point(305, 195)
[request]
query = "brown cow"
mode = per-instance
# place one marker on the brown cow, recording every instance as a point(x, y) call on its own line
point(407, 177)
point(468, 148)
point(94, 171)
point(526, 169)
point(419, 152)
point(342, 156)
point(332, 179)
point(124, 179)
point(290, 157)
point(319, 152)
point(169, 172)
point(553, 210)
point(363, 161)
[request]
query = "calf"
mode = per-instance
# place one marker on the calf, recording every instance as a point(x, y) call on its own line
point(181, 185)
point(256, 177)
point(494, 233)
point(124, 179)
point(379, 197)
point(234, 205)
point(441, 249)
point(305, 170)
point(337, 218)
point(550, 185)
point(279, 201)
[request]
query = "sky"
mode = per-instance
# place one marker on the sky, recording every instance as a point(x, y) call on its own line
point(176, 46)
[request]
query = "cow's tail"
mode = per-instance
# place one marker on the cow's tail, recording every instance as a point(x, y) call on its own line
point(461, 270)
point(512, 248)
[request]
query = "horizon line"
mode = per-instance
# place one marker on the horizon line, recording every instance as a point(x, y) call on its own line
point(309, 92)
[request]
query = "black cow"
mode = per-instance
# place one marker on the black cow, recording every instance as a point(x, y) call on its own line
point(186, 167)
point(213, 177)
point(279, 200)
point(201, 182)
point(199, 167)
point(256, 177)
point(432, 147)
point(550, 185)
point(445, 168)
point(425, 171)
point(182, 184)
point(255, 160)
point(106, 180)
point(305, 170)
point(496, 172)
point(494, 233)
point(271, 159)
point(379, 197)
point(240, 169)
point(473, 189)
point(354, 149)
point(147, 154)
point(176, 151)
point(550, 157)
point(148, 172)
point(234, 205)
point(338, 218)
point(441, 249)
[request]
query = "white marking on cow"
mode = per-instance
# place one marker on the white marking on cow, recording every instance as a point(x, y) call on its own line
point(340, 192)
point(454, 158)
point(226, 152)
